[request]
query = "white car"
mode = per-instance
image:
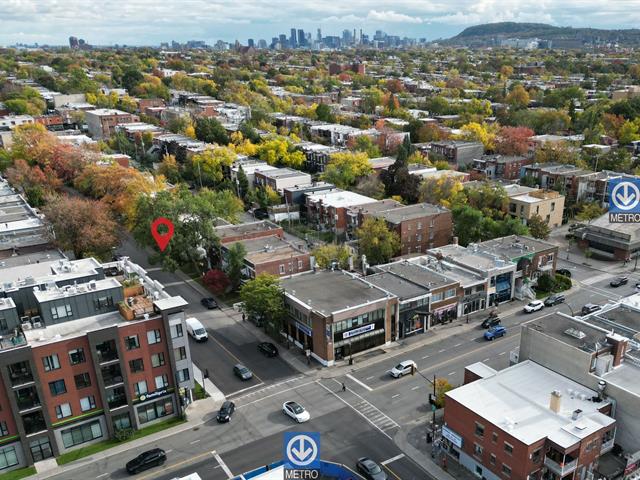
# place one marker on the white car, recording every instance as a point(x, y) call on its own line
point(403, 368)
point(295, 411)
point(534, 306)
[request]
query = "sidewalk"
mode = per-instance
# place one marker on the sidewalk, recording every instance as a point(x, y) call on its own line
point(198, 413)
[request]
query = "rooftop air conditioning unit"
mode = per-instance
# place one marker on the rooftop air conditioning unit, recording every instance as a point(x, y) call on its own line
point(26, 326)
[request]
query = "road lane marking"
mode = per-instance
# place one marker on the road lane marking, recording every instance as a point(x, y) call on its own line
point(222, 464)
point(353, 408)
point(363, 385)
point(452, 373)
point(457, 345)
point(392, 472)
point(396, 395)
point(425, 357)
point(443, 350)
point(169, 451)
point(416, 387)
point(272, 395)
point(233, 356)
point(502, 353)
point(486, 359)
point(175, 465)
point(245, 389)
point(102, 475)
point(392, 459)
point(195, 441)
point(369, 378)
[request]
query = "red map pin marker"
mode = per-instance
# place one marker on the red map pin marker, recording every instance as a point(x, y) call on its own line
point(162, 239)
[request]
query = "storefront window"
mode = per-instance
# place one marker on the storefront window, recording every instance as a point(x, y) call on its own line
point(120, 422)
point(8, 457)
point(158, 409)
point(81, 434)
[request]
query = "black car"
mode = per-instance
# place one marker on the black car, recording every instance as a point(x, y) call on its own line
point(226, 410)
point(564, 272)
point(242, 372)
point(554, 299)
point(618, 282)
point(268, 348)
point(146, 460)
point(370, 469)
point(209, 302)
point(489, 322)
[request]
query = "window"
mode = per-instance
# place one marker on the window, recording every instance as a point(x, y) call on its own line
point(419, 237)
point(477, 450)
point(81, 434)
point(131, 342)
point(494, 437)
point(4, 431)
point(82, 380)
point(176, 330)
point(63, 411)
point(553, 206)
point(8, 457)
point(58, 387)
point(87, 403)
point(136, 365)
point(183, 375)
point(450, 293)
point(103, 302)
point(76, 356)
point(536, 456)
point(153, 411)
point(508, 448)
point(153, 336)
point(506, 470)
point(436, 297)
point(300, 265)
point(157, 359)
point(140, 387)
point(419, 226)
point(162, 381)
point(61, 311)
point(180, 353)
point(479, 430)
point(492, 459)
point(281, 269)
point(122, 421)
point(51, 362)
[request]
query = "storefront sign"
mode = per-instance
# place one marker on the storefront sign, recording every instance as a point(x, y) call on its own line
point(359, 331)
point(150, 396)
point(452, 436)
point(304, 328)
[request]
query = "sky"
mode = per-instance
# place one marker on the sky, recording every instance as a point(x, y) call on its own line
point(149, 22)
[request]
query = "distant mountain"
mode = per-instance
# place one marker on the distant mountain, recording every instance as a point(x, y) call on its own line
point(492, 34)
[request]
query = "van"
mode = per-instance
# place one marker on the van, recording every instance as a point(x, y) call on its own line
point(196, 329)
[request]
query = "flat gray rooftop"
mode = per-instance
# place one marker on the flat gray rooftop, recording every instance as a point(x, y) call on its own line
point(417, 274)
point(410, 212)
point(515, 246)
point(329, 291)
point(569, 331)
point(227, 231)
point(401, 288)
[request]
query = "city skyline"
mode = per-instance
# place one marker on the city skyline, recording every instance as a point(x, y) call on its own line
point(108, 22)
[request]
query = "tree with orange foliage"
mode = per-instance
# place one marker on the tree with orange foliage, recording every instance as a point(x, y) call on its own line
point(513, 140)
point(34, 181)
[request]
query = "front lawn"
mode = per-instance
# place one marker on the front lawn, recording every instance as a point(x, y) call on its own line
point(17, 474)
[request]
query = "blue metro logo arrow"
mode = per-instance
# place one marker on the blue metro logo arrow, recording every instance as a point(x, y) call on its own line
point(302, 449)
point(625, 196)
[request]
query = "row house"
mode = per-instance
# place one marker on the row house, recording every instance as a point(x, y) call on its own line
point(573, 182)
point(419, 227)
point(340, 135)
point(250, 166)
point(526, 422)
point(525, 203)
point(88, 358)
point(457, 153)
point(317, 156)
point(181, 146)
point(280, 178)
point(247, 231)
point(328, 211)
point(499, 167)
point(102, 122)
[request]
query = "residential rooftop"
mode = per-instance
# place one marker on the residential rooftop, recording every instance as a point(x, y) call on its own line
point(410, 212)
point(515, 246)
point(517, 401)
point(417, 274)
point(470, 257)
point(327, 291)
point(340, 199)
point(398, 286)
point(227, 231)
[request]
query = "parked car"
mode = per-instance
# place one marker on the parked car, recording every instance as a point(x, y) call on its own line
point(226, 410)
point(370, 469)
point(637, 287)
point(209, 302)
point(564, 272)
point(590, 308)
point(146, 460)
point(403, 368)
point(490, 321)
point(196, 329)
point(618, 282)
point(242, 372)
point(554, 299)
point(495, 332)
point(295, 411)
point(268, 348)
point(533, 306)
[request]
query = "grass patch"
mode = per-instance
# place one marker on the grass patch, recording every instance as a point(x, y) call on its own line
point(302, 231)
point(99, 447)
point(200, 392)
point(20, 473)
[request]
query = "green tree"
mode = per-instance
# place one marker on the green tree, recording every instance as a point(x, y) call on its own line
point(397, 180)
point(209, 165)
point(538, 227)
point(324, 113)
point(263, 298)
point(345, 168)
point(211, 130)
point(363, 143)
point(376, 241)
point(326, 254)
point(243, 183)
point(589, 211)
point(235, 263)
point(280, 151)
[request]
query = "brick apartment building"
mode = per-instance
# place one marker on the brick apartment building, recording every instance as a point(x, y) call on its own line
point(456, 152)
point(526, 422)
point(328, 210)
point(102, 121)
point(246, 231)
point(88, 349)
point(356, 67)
point(499, 167)
point(280, 178)
point(547, 204)
point(420, 227)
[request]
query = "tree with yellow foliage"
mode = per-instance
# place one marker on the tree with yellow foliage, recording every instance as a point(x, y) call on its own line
point(476, 132)
point(345, 168)
point(208, 167)
point(280, 151)
point(445, 191)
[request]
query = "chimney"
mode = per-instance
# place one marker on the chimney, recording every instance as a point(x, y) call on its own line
point(555, 401)
point(454, 241)
point(576, 414)
point(618, 348)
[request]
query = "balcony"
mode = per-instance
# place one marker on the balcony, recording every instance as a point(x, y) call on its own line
point(34, 422)
point(561, 468)
point(27, 398)
point(112, 375)
point(107, 351)
point(117, 398)
point(20, 373)
point(607, 446)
